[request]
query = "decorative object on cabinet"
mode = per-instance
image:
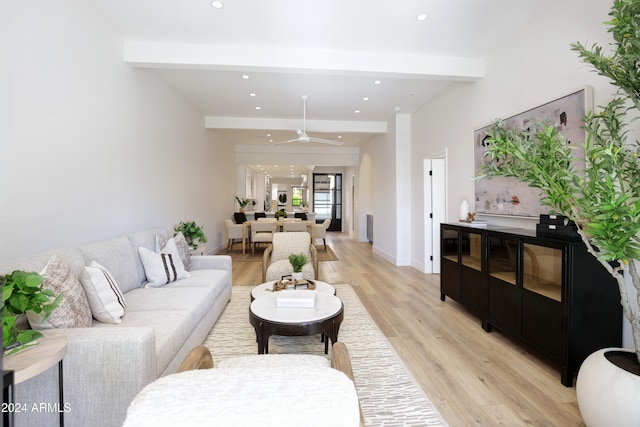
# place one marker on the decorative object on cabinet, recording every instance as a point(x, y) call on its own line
point(506, 195)
point(548, 294)
point(464, 210)
point(601, 195)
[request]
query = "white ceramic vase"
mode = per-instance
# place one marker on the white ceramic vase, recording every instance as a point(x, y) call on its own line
point(297, 276)
point(464, 210)
point(607, 395)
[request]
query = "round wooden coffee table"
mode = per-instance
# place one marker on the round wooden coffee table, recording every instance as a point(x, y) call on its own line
point(269, 319)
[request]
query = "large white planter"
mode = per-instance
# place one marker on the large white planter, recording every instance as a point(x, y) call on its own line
point(607, 395)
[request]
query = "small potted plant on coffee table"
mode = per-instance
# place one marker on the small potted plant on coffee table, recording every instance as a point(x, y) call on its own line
point(297, 262)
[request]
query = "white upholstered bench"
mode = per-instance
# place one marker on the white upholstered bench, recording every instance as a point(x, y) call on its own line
point(259, 390)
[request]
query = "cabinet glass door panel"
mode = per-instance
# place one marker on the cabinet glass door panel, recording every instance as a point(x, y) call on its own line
point(449, 248)
point(471, 250)
point(502, 259)
point(542, 270)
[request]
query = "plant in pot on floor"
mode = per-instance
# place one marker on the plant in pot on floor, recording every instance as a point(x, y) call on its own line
point(602, 197)
point(22, 292)
point(192, 232)
point(297, 261)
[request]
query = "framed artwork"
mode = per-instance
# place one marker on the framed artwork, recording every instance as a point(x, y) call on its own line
point(507, 196)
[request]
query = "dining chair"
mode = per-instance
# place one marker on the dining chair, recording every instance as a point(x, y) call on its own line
point(239, 217)
point(234, 231)
point(262, 232)
point(294, 226)
point(320, 231)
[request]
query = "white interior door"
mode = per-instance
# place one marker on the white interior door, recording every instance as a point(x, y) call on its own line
point(438, 207)
point(435, 209)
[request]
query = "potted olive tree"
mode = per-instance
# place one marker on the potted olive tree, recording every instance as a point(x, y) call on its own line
point(602, 194)
point(22, 292)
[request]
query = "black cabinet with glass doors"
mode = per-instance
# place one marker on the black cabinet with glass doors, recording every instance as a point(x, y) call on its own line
point(549, 294)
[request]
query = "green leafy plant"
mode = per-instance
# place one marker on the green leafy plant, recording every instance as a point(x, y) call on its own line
point(242, 202)
point(192, 233)
point(603, 196)
point(21, 292)
point(297, 262)
point(281, 213)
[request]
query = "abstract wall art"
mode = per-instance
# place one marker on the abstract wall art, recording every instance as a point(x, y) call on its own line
point(507, 196)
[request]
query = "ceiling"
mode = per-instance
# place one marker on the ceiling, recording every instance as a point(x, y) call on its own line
point(246, 65)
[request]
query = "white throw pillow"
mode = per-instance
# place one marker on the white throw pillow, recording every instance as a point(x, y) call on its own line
point(104, 295)
point(164, 267)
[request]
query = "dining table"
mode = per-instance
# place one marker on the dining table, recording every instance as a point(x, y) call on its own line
point(246, 228)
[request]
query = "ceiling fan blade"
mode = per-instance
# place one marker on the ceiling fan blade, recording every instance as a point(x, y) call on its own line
point(302, 133)
point(325, 141)
point(289, 140)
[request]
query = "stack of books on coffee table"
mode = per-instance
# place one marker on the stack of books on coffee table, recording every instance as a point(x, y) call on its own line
point(296, 299)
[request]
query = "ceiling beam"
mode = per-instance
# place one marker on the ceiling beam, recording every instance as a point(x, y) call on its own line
point(248, 58)
point(343, 126)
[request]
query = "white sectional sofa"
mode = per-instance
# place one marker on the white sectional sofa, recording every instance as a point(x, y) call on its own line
point(108, 364)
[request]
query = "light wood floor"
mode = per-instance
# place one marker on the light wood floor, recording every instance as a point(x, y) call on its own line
point(473, 377)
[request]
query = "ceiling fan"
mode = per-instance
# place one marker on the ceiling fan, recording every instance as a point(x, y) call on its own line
point(302, 134)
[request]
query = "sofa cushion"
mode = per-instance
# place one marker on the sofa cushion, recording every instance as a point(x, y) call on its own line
point(117, 256)
point(146, 239)
point(73, 310)
point(198, 299)
point(164, 267)
point(105, 297)
point(171, 329)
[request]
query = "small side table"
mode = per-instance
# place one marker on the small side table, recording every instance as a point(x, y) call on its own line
point(33, 361)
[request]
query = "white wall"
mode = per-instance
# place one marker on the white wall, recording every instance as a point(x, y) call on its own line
point(90, 147)
point(529, 69)
point(381, 151)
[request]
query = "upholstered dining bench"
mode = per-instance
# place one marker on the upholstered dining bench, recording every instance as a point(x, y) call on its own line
point(257, 390)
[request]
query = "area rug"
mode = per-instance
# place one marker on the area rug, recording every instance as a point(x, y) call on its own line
point(389, 395)
point(238, 256)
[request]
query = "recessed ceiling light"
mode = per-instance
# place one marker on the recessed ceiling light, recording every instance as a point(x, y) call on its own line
point(377, 82)
point(216, 4)
point(365, 99)
point(356, 111)
point(252, 94)
point(258, 108)
point(422, 17)
point(245, 76)
point(339, 136)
